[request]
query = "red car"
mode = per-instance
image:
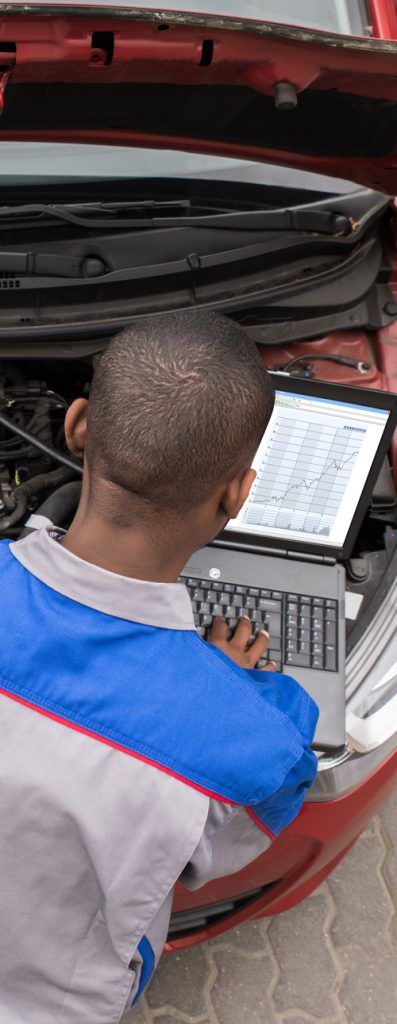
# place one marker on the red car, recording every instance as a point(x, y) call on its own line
point(121, 128)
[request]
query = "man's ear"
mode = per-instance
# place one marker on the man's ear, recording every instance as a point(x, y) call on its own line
point(236, 492)
point(76, 426)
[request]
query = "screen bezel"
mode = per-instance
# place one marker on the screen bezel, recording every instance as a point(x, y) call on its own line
point(335, 392)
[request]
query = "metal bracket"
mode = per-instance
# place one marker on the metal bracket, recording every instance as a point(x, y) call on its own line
point(7, 65)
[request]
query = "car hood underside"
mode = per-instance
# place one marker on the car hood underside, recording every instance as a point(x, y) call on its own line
point(267, 92)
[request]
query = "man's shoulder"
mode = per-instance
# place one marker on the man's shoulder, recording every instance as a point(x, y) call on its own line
point(162, 695)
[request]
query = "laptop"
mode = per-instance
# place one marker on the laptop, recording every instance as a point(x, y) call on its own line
point(281, 560)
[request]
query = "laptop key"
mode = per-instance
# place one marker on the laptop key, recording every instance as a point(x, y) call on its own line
point(241, 590)
point(300, 660)
point(330, 633)
point(267, 605)
point(292, 607)
point(274, 625)
point(250, 602)
point(253, 592)
point(198, 595)
point(330, 659)
point(317, 661)
point(292, 645)
point(218, 609)
point(330, 615)
point(206, 620)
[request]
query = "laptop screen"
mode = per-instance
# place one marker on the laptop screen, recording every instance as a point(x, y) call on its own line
point(312, 466)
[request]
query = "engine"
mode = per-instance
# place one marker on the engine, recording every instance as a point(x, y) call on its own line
point(36, 470)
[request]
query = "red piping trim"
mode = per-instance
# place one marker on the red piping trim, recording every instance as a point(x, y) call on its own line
point(116, 746)
point(258, 821)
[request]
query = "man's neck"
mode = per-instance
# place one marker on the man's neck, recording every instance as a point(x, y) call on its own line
point(132, 552)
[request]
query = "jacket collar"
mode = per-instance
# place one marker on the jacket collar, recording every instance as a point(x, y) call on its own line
point(165, 605)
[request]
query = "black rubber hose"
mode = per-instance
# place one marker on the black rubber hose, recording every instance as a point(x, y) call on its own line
point(38, 483)
point(52, 453)
point(19, 510)
point(59, 507)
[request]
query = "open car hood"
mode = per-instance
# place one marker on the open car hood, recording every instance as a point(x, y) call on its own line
point(214, 84)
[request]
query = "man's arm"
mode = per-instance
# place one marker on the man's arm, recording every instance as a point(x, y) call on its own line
point(234, 835)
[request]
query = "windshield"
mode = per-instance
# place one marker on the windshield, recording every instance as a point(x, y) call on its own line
point(347, 16)
point(23, 162)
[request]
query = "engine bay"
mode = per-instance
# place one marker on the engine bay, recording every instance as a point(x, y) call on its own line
point(39, 484)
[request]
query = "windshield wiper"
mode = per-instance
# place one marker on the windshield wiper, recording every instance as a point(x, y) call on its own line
point(100, 215)
point(44, 264)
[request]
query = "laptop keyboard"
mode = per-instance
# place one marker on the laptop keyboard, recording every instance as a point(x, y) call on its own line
point(302, 630)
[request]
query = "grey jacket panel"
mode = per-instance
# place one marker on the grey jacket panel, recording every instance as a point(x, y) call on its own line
point(156, 934)
point(229, 842)
point(117, 835)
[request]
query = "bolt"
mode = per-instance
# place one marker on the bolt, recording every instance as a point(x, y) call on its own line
point(390, 309)
point(285, 97)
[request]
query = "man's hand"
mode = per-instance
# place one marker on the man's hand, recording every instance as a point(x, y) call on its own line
point(236, 648)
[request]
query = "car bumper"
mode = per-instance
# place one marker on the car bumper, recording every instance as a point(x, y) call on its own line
point(295, 865)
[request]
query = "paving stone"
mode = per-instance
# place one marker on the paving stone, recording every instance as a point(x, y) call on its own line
point(135, 1016)
point(307, 968)
point(368, 993)
point(240, 993)
point(361, 897)
point(388, 818)
point(247, 936)
point(172, 1020)
point(179, 982)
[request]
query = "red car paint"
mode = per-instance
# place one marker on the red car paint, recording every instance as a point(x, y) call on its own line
point(247, 52)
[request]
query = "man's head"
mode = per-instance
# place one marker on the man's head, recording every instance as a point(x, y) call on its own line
point(177, 407)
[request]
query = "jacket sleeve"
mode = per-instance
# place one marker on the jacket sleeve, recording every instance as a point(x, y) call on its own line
point(234, 835)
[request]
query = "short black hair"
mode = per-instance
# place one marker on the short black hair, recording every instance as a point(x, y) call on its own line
point(176, 402)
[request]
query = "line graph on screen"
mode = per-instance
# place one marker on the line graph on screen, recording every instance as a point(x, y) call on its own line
point(303, 475)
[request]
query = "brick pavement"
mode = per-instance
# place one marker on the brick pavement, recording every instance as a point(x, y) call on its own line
point(331, 960)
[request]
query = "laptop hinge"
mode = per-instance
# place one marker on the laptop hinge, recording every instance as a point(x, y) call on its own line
point(302, 556)
point(256, 549)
